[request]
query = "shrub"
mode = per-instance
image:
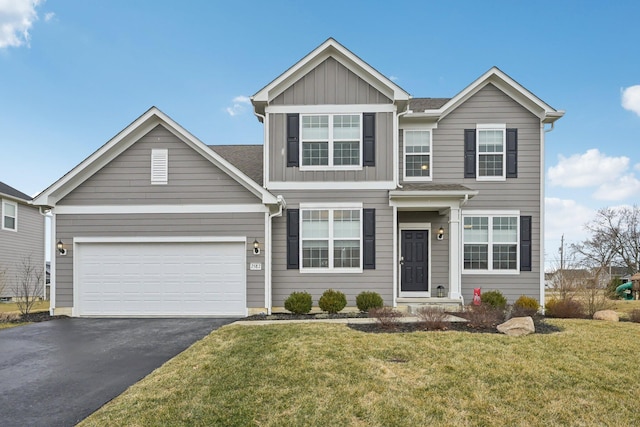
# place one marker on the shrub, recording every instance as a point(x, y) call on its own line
point(610, 290)
point(332, 301)
point(483, 316)
point(634, 316)
point(368, 300)
point(566, 308)
point(494, 298)
point(525, 306)
point(432, 318)
point(298, 303)
point(387, 317)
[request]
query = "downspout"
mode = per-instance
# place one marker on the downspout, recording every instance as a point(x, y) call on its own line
point(46, 214)
point(542, 214)
point(397, 150)
point(265, 172)
point(282, 204)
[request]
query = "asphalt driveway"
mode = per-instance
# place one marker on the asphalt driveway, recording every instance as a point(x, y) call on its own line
point(57, 373)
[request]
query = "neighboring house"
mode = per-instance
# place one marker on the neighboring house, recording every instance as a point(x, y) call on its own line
point(21, 239)
point(356, 187)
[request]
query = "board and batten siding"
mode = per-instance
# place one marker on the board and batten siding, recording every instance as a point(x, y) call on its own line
point(382, 171)
point(330, 83)
point(491, 105)
point(126, 180)
point(69, 226)
point(24, 245)
point(378, 280)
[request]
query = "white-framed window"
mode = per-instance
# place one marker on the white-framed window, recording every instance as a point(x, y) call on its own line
point(331, 141)
point(331, 239)
point(159, 166)
point(417, 155)
point(9, 215)
point(491, 157)
point(490, 242)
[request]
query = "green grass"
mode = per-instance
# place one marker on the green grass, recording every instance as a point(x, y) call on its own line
point(329, 375)
point(12, 325)
point(8, 307)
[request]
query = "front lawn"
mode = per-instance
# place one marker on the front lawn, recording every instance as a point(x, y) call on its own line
point(8, 307)
point(330, 375)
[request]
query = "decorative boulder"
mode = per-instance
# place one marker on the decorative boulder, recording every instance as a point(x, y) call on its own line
point(517, 326)
point(608, 315)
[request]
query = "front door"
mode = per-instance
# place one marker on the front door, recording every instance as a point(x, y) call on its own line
point(414, 261)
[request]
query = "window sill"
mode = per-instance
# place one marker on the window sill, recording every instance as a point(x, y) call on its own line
point(416, 179)
point(329, 168)
point(330, 270)
point(491, 272)
point(491, 178)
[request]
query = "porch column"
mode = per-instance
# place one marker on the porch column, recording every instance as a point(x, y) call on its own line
point(455, 282)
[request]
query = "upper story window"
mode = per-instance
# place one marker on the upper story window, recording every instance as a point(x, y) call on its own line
point(491, 243)
point(491, 152)
point(159, 166)
point(331, 239)
point(417, 155)
point(9, 215)
point(331, 140)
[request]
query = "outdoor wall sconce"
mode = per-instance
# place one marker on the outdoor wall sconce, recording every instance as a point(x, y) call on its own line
point(440, 233)
point(256, 247)
point(440, 290)
point(60, 247)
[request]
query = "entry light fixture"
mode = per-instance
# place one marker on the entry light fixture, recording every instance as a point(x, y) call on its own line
point(440, 233)
point(440, 290)
point(60, 247)
point(256, 247)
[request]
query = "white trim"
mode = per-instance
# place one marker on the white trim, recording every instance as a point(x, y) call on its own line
point(267, 262)
point(53, 265)
point(15, 216)
point(486, 127)
point(345, 205)
point(404, 156)
point(159, 209)
point(331, 108)
point(491, 212)
point(455, 254)
point(161, 239)
point(332, 185)
point(396, 257)
point(331, 142)
point(491, 126)
point(415, 226)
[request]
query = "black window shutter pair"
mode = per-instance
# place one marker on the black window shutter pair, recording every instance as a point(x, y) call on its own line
point(470, 153)
point(368, 139)
point(525, 243)
point(368, 239)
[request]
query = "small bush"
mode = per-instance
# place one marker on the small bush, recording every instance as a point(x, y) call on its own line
point(298, 303)
point(9, 317)
point(525, 306)
point(332, 301)
point(494, 298)
point(634, 316)
point(432, 318)
point(566, 308)
point(483, 316)
point(387, 317)
point(368, 300)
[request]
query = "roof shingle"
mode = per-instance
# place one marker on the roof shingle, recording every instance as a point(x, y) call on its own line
point(247, 158)
point(10, 191)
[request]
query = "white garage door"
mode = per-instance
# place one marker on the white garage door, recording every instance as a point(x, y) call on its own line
point(160, 279)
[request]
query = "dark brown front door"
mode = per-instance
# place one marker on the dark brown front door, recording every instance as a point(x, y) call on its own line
point(414, 261)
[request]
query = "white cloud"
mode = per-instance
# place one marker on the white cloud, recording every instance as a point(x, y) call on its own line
point(49, 16)
point(564, 216)
point(393, 78)
point(621, 188)
point(16, 19)
point(631, 99)
point(637, 167)
point(587, 170)
point(240, 104)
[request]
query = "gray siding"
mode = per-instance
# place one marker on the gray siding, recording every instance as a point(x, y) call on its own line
point(250, 225)
point(382, 171)
point(26, 244)
point(127, 178)
point(379, 280)
point(490, 105)
point(330, 83)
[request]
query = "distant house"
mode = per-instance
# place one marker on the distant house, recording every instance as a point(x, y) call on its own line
point(21, 238)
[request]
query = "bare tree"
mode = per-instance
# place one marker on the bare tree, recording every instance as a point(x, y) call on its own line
point(3, 283)
point(28, 285)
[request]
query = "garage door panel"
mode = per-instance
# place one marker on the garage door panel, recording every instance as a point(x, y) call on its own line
point(160, 279)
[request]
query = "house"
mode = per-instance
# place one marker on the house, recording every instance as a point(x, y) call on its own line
point(21, 242)
point(357, 186)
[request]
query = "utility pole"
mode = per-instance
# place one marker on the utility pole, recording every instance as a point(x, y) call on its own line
point(561, 250)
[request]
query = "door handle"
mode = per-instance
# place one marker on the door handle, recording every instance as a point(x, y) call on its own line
point(401, 260)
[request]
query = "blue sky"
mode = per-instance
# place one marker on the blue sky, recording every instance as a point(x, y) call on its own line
point(73, 74)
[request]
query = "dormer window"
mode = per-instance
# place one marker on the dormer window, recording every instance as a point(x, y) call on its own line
point(331, 140)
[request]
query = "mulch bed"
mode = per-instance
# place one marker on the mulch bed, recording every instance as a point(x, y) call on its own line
point(40, 316)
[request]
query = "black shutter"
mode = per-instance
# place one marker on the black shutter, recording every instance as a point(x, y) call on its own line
point(512, 153)
point(369, 239)
point(293, 239)
point(525, 243)
point(293, 139)
point(369, 139)
point(469, 153)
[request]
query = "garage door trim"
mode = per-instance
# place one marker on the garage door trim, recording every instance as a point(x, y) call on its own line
point(78, 241)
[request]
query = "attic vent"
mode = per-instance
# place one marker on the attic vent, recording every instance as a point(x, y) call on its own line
point(159, 166)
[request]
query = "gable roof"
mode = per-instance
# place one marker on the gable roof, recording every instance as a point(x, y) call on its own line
point(9, 191)
point(502, 81)
point(125, 139)
point(330, 48)
point(247, 158)
point(421, 104)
